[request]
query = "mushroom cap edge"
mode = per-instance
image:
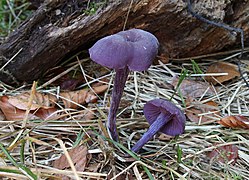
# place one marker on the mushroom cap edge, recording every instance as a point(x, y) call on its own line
point(134, 48)
point(174, 127)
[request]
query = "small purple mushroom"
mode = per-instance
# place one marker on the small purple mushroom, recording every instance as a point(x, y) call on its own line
point(162, 116)
point(133, 50)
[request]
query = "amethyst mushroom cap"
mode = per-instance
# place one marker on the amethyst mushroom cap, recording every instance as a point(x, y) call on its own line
point(163, 116)
point(135, 49)
point(131, 50)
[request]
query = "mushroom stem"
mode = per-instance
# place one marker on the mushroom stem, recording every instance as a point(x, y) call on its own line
point(118, 88)
point(161, 120)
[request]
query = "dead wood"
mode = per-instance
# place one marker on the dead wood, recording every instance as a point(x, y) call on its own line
point(57, 28)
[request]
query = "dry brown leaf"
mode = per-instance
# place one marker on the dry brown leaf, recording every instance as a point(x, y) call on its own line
point(200, 108)
point(39, 100)
point(235, 122)
point(224, 154)
point(81, 96)
point(47, 113)
point(21, 101)
point(71, 98)
point(84, 115)
point(11, 112)
point(79, 158)
point(193, 89)
point(43, 105)
point(97, 90)
point(48, 101)
point(222, 67)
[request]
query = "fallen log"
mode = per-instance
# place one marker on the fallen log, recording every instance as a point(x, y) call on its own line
point(58, 28)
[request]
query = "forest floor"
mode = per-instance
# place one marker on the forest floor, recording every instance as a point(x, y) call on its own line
point(68, 138)
point(207, 149)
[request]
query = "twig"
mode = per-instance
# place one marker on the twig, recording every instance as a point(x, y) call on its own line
point(127, 16)
point(69, 159)
point(10, 59)
point(218, 24)
point(224, 26)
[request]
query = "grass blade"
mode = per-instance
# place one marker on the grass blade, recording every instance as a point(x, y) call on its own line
point(22, 167)
point(132, 154)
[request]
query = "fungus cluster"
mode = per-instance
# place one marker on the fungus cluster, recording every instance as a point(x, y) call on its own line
point(134, 50)
point(131, 50)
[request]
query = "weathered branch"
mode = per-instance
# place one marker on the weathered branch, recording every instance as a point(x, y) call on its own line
point(59, 27)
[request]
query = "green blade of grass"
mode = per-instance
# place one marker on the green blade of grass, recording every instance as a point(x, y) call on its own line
point(22, 157)
point(182, 98)
point(22, 167)
point(12, 160)
point(132, 154)
point(78, 139)
point(14, 171)
point(183, 75)
point(196, 68)
point(28, 172)
point(179, 154)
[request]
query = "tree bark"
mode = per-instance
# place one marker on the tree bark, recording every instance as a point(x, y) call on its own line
point(57, 28)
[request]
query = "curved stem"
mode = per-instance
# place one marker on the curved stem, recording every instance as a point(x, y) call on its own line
point(118, 88)
point(155, 127)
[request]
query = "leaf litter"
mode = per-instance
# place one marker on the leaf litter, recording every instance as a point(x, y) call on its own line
point(222, 67)
point(202, 112)
point(43, 105)
point(235, 122)
point(78, 156)
point(161, 156)
point(193, 88)
point(224, 154)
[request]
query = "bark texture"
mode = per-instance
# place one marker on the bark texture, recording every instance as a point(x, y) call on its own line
point(59, 27)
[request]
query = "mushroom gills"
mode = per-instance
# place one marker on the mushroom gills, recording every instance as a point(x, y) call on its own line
point(161, 120)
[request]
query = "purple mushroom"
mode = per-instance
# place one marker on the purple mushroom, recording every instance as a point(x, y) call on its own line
point(162, 116)
point(131, 50)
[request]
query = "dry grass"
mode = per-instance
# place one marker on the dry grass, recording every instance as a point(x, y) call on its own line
point(39, 143)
